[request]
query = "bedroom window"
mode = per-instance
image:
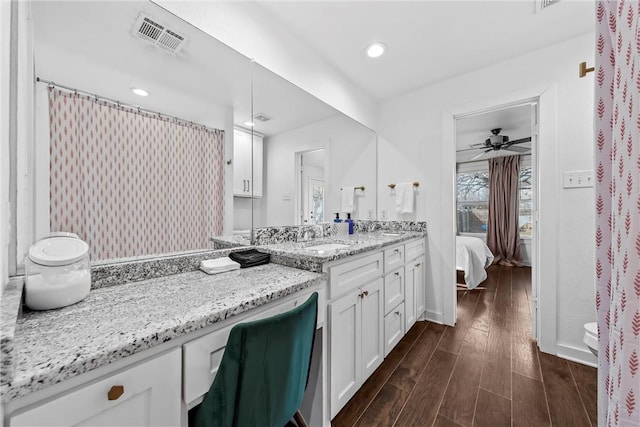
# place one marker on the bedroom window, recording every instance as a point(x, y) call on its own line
point(473, 201)
point(472, 209)
point(525, 217)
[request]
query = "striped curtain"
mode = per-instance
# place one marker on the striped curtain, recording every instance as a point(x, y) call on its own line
point(617, 154)
point(131, 183)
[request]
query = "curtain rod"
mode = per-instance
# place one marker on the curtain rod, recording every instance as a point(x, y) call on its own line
point(124, 104)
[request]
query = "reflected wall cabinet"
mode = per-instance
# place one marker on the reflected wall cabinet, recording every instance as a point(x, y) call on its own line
point(243, 179)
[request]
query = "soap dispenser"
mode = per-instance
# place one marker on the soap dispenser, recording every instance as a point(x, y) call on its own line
point(350, 222)
point(337, 218)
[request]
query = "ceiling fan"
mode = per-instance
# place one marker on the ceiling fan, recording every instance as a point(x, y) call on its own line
point(497, 142)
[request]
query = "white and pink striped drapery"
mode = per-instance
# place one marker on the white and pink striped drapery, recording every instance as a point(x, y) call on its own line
point(131, 183)
point(617, 130)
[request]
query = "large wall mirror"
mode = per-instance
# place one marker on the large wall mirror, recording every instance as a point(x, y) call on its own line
point(307, 151)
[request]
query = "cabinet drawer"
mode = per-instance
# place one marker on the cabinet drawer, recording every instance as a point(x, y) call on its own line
point(393, 258)
point(151, 396)
point(393, 289)
point(350, 275)
point(414, 249)
point(393, 328)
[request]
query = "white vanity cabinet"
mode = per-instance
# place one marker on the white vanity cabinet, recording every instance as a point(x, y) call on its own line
point(146, 394)
point(356, 310)
point(244, 150)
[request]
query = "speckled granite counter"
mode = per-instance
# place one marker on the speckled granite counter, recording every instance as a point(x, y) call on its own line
point(296, 254)
point(114, 322)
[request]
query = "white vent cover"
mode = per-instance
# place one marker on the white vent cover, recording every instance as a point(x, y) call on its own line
point(541, 4)
point(147, 29)
point(262, 117)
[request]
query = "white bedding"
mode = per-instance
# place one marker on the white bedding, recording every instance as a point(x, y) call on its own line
point(472, 257)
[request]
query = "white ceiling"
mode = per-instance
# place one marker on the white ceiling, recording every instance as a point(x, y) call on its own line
point(428, 41)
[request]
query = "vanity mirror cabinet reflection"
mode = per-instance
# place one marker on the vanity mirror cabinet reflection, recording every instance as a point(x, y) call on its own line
point(247, 163)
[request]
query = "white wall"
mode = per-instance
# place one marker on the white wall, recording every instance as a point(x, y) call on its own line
point(267, 42)
point(350, 160)
point(5, 63)
point(411, 148)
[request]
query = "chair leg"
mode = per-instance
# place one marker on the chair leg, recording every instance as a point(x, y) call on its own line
point(300, 419)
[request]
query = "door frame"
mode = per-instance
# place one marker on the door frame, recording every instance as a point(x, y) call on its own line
point(298, 199)
point(544, 241)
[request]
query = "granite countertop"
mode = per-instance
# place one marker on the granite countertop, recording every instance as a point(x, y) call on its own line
point(115, 322)
point(297, 254)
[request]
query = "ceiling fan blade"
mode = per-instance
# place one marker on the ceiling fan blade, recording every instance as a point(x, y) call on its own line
point(518, 141)
point(472, 149)
point(477, 156)
point(517, 149)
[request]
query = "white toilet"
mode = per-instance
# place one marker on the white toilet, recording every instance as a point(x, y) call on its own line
point(591, 337)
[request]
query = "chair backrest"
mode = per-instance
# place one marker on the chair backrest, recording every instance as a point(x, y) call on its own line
point(264, 371)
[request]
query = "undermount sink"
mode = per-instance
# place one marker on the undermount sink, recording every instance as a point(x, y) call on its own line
point(392, 234)
point(327, 247)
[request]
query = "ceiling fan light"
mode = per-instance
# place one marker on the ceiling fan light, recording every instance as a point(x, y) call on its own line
point(375, 50)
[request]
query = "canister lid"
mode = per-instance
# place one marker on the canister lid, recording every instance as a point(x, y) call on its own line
point(55, 251)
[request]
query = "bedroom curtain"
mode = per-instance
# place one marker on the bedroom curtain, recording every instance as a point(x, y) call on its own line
point(617, 158)
point(132, 183)
point(503, 235)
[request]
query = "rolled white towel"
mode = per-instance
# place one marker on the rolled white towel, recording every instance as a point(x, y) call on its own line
point(218, 265)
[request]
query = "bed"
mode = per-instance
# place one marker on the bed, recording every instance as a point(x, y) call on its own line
point(472, 257)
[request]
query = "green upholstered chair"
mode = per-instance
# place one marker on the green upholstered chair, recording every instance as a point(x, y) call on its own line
point(263, 373)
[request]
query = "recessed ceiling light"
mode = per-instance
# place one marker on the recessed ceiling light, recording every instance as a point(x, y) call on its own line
point(249, 124)
point(376, 49)
point(140, 92)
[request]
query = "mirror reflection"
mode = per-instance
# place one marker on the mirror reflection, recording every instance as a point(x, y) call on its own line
point(286, 155)
point(314, 148)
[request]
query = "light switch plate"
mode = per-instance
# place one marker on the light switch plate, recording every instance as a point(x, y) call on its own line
point(577, 179)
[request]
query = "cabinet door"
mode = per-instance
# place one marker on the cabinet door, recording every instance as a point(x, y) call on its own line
point(257, 167)
point(241, 163)
point(372, 338)
point(418, 266)
point(151, 397)
point(345, 318)
point(409, 297)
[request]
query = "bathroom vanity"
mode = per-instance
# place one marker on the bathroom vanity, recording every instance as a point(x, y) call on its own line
point(144, 353)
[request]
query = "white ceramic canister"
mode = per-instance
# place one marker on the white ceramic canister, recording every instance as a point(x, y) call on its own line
point(58, 272)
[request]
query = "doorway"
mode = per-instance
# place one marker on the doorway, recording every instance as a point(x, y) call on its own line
point(310, 185)
point(479, 136)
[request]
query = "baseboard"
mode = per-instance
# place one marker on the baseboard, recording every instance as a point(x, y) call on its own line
point(577, 354)
point(433, 316)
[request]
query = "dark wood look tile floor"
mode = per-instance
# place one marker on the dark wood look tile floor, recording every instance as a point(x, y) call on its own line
point(487, 371)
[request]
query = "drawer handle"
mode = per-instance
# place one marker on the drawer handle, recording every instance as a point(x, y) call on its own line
point(115, 392)
point(364, 294)
point(397, 274)
point(397, 313)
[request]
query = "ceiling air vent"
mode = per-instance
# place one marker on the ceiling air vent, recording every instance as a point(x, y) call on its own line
point(262, 117)
point(541, 4)
point(151, 31)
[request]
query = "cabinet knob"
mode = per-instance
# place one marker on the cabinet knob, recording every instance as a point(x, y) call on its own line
point(396, 251)
point(397, 313)
point(418, 264)
point(364, 294)
point(115, 392)
point(397, 274)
